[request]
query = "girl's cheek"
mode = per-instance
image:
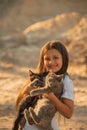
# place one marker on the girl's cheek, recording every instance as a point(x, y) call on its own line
point(46, 64)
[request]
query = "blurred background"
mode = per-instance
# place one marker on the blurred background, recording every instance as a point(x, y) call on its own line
point(25, 26)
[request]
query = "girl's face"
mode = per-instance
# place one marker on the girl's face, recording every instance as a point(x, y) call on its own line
point(53, 60)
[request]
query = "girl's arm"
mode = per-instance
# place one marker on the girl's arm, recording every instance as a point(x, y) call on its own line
point(65, 107)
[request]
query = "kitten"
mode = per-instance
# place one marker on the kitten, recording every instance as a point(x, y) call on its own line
point(27, 101)
point(44, 109)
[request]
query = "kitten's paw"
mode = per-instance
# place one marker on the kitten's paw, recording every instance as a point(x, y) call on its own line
point(32, 93)
point(34, 116)
point(27, 117)
point(30, 109)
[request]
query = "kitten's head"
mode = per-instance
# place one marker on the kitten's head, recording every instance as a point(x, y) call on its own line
point(36, 79)
point(33, 75)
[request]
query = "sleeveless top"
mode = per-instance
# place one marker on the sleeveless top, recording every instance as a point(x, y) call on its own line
point(68, 92)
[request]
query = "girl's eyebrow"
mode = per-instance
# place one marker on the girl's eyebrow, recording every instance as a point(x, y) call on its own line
point(46, 56)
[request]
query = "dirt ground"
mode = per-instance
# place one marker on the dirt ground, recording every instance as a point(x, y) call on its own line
point(16, 59)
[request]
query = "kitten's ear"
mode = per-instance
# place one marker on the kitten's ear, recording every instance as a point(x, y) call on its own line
point(31, 75)
point(60, 77)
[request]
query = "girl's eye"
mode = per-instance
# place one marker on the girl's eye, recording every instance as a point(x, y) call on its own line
point(47, 59)
point(56, 57)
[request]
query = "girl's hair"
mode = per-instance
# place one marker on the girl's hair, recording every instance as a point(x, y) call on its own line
point(59, 47)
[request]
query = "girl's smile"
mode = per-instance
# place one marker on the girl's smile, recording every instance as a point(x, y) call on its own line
point(53, 60)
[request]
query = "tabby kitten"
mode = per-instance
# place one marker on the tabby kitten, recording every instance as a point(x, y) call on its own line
point(28, 101)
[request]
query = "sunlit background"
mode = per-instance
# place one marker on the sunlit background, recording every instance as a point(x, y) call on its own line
point(25, 26)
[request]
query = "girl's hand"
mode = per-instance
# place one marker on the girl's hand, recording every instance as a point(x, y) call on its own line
point(49, 95)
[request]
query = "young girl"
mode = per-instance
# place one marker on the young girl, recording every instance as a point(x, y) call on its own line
point(54, 58)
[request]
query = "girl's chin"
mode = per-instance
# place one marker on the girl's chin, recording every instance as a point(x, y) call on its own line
point(54, 71)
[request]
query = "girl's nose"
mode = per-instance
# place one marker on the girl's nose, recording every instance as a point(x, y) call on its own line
point(51, 61)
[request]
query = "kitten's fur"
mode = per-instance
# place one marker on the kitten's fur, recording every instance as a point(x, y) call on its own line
point(44, 109)
point(27, 101)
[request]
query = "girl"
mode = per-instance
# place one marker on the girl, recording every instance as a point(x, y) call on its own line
point(54, 58)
